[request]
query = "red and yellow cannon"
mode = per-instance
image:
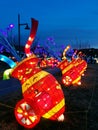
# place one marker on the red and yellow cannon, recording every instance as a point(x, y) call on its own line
point(42, 94)
point(73, 70)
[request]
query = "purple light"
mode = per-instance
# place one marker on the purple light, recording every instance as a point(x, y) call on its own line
point(11, 25)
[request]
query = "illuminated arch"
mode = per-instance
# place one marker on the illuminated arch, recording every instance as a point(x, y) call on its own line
point(6, 74)
point(7, 60)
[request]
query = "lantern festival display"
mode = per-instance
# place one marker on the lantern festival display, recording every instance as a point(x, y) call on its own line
point(43, 96)
point(42, 93)
point(49, 62)
point(73, 70)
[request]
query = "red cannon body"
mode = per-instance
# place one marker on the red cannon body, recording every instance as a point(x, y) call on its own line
point(72, 71)
point(43, 96)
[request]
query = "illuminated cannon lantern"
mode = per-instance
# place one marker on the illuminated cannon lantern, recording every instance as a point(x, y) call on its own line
point(72, 71)
point(42, 94)
point(49, 62)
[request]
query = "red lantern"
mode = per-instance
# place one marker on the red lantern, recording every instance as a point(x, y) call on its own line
point(41, 92)
point(72, 71)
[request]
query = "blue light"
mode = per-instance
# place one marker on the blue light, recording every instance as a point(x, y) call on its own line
point(7, 60)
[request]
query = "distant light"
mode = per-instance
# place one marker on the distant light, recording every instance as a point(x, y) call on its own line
point(11, 25)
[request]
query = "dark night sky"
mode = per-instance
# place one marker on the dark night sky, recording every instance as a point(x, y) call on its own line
point(72, 22)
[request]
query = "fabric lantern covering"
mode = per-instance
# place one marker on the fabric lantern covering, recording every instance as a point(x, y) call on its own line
point(72, 71)
point(40, 88)
point(63, 64)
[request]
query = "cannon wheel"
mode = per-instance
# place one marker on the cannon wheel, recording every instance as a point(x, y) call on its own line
point(25, 114)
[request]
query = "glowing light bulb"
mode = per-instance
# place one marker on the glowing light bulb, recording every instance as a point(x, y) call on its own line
point(61, 118)
point(30, 39)
point(27, 46)
point(25, 113)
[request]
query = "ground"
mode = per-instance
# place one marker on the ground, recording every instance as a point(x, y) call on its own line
point(81, 103)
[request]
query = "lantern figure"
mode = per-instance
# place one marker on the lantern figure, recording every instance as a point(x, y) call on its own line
point(43, 96)
point(72, 71)
point(42, 93)
point(49, 62)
